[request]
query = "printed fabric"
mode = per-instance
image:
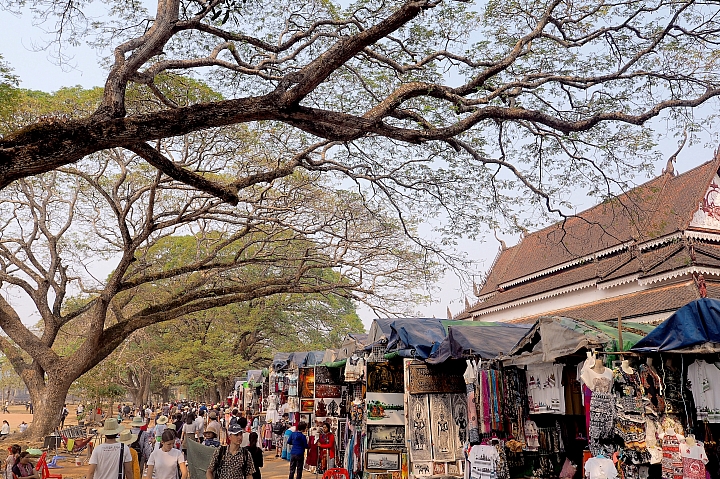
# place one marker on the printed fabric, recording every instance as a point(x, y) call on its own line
point(652, 384)
point(630, 416)
point(672, 464)
point(602, 421)
point(693, 460)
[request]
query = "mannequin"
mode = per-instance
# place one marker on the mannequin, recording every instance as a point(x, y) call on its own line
point(598, 377)
point(599, 366)
point(625, 366)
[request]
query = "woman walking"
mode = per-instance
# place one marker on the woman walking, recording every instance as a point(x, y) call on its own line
point(166, 460)
point(256, 453)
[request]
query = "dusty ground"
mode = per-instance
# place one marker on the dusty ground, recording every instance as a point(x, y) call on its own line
point(274, 468)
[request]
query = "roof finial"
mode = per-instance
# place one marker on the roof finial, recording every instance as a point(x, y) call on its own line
point(503, 246)
point(449, 314)
point(670, 168)
point(467, 303)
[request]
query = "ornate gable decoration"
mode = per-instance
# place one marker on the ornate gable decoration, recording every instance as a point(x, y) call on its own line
point(708, 214)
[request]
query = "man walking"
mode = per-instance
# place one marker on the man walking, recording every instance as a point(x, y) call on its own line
point(105, 461)
point(232, 461)
point(299, 444)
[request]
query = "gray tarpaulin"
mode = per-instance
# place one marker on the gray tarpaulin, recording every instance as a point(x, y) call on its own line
point(198, 458)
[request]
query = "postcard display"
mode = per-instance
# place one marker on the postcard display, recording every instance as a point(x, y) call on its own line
point(437, 420)
point(385, 439)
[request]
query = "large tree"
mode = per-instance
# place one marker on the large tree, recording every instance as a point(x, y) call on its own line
point(171, 251)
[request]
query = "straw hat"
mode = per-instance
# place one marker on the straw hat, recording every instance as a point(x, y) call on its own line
point(111, 427)
point(172, 426)
point(162, 420)
point(138, 421)
point(126, 437)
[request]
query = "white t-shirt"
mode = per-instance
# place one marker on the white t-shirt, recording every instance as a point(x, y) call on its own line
point(199, 426)
point(107, 459)
point(483, 461)
point(166, 463)
point(600, 468)
point(545, 390)
point(705, 385)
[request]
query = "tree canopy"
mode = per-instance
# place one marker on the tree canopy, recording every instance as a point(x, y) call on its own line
point(442, 102)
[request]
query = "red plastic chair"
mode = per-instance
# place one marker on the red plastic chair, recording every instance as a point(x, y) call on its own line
point(45, 470)
point(336, 473)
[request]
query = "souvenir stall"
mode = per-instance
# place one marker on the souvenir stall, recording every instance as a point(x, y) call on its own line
point(463, 368)
point(683, 354)
point(568, 391)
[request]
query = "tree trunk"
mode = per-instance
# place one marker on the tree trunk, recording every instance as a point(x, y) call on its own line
point(47, 406)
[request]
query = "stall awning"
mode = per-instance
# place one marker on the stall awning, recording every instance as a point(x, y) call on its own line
point(555, 336)
point(415, 337)
point(484, 339)
point(280, 361)
point(696, 325)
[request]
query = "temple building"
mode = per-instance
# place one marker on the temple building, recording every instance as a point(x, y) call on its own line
point(640, 256)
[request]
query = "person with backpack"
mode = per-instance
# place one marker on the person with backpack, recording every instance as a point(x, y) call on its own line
point(111, 459)
point(138, 429)
point(256, 453)
point(232, 461)
point(166, 460)
point(278, 430)
point(299, 444)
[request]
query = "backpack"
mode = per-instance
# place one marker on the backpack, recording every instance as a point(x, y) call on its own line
point(278, 428)
point(136, 445)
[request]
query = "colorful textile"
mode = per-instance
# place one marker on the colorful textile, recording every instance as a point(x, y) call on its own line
point(672, 465)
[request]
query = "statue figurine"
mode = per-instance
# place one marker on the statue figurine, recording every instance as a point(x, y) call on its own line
point(321, 410)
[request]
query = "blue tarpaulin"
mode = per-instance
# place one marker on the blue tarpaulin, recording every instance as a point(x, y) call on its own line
point(695, 323)
point(487, 340)
point(416, 334)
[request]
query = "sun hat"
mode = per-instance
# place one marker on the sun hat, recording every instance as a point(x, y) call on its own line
point(112, 426)
point(172, 426)
point(209, 431)
point(213, 415)
point(235, 429)
point(138, 421)
point(126, 437)
point(162, 420)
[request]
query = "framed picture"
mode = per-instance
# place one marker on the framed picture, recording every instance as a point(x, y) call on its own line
point(453, 469)
point(439, 469)
point(421, 469)
point(306, 382)
point(307, 405)
point(385, 408)
point(382, 460)
point(386, 437)
point(385, 377)
point(342, 434)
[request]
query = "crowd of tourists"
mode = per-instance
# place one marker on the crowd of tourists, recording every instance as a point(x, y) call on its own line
point(157, 442)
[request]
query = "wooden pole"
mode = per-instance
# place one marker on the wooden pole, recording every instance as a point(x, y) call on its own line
point(620, 340)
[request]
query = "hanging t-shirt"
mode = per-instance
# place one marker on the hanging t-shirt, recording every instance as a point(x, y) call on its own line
point(545, 390)
point(704, 380)
point(693, 460)
point(483, 462)
point(600, 468)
